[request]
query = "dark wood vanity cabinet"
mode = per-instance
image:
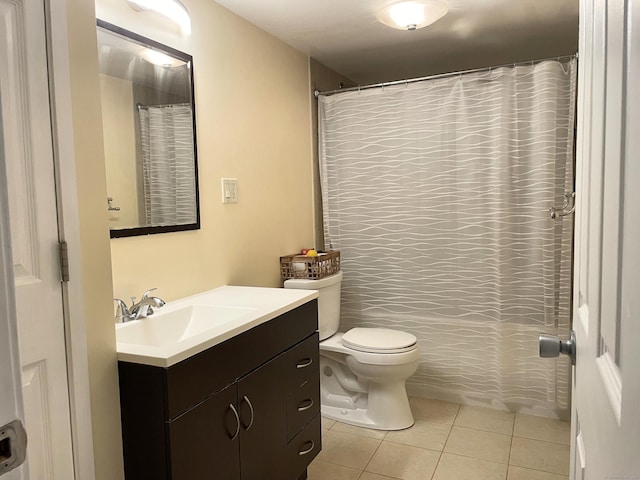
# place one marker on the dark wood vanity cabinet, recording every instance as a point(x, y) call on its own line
point(257, 419)
point(199, 441)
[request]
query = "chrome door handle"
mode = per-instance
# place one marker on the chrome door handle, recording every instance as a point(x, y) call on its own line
point(305, 405)
point(308, 450)
point(304, 362)
point(246, 399)
point(553, 346)
point(235, 413)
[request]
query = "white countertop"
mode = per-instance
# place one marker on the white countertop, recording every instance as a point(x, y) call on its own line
point(164, 342)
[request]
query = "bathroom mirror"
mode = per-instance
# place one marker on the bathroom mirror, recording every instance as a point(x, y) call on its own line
point(148, 119)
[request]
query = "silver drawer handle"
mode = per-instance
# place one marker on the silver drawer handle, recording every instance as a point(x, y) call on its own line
point(305, 405)
point(235, 412)
point(304, 452)
point(251, 409)
point(304, 363)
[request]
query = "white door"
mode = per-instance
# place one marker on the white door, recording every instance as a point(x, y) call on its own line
point(27, 134)
point(606, 390)
point(11, 461)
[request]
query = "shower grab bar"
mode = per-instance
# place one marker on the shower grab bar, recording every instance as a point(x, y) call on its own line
point(569, 203)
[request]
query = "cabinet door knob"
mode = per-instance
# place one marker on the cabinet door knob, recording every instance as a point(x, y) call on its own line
point(308, 450)
point(305, 362)
point(246, 399)
point(235, 413)
point(305, 405)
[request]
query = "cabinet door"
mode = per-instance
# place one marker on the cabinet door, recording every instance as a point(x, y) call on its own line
point(263, 434)
point(204, 441)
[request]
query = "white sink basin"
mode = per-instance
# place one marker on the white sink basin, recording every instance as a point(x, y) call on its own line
point(163, 329)
point(186, 327)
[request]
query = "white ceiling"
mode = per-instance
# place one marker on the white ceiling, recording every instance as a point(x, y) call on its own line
point(345, 35)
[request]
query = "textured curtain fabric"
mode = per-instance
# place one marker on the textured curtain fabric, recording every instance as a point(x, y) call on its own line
point(166, 134)
point(438, 193)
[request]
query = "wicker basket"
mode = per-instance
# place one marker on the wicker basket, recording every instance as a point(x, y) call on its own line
point(310, 268)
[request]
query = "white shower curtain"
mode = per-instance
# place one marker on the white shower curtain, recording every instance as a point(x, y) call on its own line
point(437, 194)
point(168, 166)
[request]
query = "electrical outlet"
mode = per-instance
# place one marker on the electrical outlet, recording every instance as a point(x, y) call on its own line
point(229, 190)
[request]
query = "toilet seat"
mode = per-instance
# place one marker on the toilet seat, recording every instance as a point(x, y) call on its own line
point(379, 340)
point(336, 345)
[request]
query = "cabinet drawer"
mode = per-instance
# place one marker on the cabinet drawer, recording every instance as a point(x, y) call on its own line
point(303, 365)
point(302, 406)
point(304, 447)
point(302, 391)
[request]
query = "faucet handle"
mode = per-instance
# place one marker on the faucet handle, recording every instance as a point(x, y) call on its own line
point(146, 294)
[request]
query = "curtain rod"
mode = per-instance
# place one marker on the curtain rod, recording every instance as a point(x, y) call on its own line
point(317, 93)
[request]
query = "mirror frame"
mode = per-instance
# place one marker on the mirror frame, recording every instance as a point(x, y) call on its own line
point(150, 230)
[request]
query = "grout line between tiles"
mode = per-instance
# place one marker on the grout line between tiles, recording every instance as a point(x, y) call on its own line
point(478, 458)
point(484, 431)
point(364, 469)
point(379, 474)
point(445, 442)
point(416, 446)
point(437, 463)
point(538, 470)
point(539, 440)
point(510, 450)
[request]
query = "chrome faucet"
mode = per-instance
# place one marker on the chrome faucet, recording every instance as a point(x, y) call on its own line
point(141, 309)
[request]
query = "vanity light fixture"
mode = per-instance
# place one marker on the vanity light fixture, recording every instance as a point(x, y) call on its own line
point(412, 15)
point(172, 9)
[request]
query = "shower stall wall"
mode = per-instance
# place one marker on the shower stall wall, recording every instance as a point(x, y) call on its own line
point(438, 193)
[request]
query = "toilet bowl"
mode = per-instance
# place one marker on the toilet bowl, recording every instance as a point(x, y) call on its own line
point(364, 370)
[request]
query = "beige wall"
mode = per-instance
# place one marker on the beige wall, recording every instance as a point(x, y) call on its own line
point(120, 150)
point(253, 124)
point(94, 237)
point(322, 79)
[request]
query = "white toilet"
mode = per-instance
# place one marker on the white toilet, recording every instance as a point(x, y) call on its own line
point(363, 371)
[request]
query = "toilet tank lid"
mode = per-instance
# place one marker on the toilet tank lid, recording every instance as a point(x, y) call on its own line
point(304, 284)
point(379, 340)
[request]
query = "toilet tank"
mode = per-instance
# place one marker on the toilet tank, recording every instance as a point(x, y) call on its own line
point(328, 300)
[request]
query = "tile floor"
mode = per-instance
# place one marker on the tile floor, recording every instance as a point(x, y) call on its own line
point(448, 442)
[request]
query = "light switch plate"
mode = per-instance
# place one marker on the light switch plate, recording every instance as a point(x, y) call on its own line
point(229, 190)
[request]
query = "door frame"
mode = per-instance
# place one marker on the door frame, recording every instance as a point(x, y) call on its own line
point(69, 232)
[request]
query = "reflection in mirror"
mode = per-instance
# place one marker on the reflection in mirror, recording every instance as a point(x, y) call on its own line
point(149, 134)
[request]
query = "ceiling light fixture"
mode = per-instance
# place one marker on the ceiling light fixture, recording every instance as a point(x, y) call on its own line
point(172, 9)
point(412, 15)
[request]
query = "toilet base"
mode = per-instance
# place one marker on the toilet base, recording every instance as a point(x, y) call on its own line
point(359, 418)
point(370, 396)
point(387, 408)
